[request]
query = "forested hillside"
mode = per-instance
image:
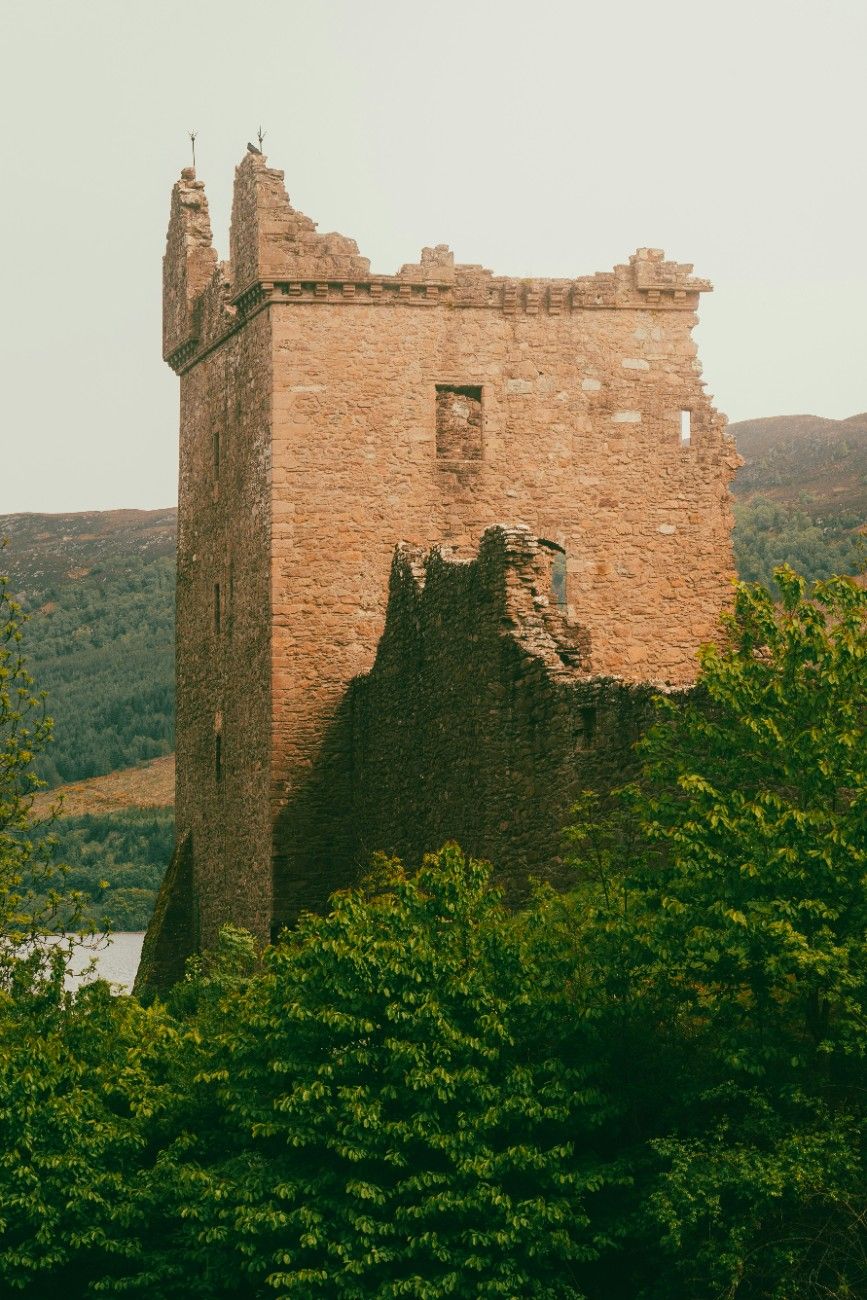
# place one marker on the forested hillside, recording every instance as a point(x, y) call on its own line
point(801, 495)
point(99, 589)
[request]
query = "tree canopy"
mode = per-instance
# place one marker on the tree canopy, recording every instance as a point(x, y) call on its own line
point(649, 1087)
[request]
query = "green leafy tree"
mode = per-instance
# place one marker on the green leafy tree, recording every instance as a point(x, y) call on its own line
point(31, 885)
point(732, 956)
point(395, 1105)
point(64, 1140)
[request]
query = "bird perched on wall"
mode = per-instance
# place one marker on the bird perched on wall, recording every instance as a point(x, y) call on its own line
point(251, 148)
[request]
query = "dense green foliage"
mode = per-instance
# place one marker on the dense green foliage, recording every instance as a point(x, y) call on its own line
point(649, 1089)
point(740, 937)
point(767, 535)
point(115, 861)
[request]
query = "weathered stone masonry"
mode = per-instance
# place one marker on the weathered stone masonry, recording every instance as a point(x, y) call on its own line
point(328, 413)
point(481, 720)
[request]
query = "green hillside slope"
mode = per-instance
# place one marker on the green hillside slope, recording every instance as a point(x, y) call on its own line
point(99, 588)
point(801, 496)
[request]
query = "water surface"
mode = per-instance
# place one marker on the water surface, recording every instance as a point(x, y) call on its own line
point(115, 959)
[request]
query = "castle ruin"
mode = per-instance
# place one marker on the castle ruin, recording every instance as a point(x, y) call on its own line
point(329, 415)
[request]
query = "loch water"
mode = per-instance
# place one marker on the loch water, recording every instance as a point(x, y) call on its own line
point(114, 957)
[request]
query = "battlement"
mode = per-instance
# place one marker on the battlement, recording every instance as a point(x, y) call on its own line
point(277, 256)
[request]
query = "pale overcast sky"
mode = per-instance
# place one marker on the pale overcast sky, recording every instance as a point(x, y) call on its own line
point(544, 138)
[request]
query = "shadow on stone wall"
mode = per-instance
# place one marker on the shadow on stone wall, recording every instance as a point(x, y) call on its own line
point(480, 721)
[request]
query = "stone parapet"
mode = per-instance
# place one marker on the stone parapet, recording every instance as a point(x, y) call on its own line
point(278, 257)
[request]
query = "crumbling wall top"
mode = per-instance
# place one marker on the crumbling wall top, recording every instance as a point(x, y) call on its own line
point(513, 571)
point(278, 256)
point(189, 260)
point(270, 240)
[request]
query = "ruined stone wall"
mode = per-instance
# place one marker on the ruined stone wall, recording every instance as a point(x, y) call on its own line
point(479, 721)
point(364, 410)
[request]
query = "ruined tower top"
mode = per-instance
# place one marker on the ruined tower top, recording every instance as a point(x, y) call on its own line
point(276, 253)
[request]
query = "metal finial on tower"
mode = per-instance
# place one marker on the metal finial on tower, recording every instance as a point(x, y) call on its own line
point(192, 135)
point(260, 136)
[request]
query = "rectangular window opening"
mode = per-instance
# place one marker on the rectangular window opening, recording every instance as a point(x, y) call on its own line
point(459, 421)
point(558, 571)
point(588, 724)
point(558, 578)
point(685, 428)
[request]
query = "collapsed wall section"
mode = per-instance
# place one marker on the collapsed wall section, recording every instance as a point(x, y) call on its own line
point(481, 720)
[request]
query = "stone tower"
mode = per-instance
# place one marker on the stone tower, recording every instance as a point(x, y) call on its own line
point(328, 413)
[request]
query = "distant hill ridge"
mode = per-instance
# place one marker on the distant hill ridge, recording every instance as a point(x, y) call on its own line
point(806, 460)
point(46, 550)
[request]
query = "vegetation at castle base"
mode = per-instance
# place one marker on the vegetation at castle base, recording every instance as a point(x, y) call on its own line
point(650, 1088)
point(735, 948)
point(115, 861)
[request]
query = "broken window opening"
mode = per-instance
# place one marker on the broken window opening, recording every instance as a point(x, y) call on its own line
point(558, 571)
point(685, 428)
point(458, 422)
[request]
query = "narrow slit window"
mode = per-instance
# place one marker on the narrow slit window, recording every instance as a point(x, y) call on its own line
point(218, 613)
point(218, 757)
point(588, 724)
point(685, 428)
point(459, 422)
